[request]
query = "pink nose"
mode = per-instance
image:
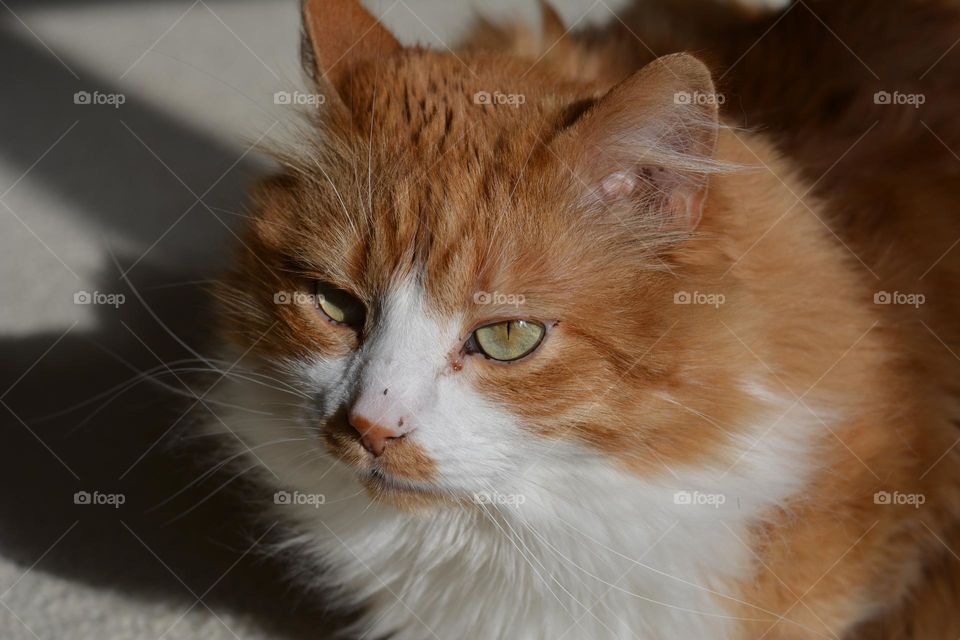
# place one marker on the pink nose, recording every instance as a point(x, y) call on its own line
point(373, 436)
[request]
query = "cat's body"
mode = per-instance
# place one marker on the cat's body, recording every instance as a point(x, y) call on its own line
point(695, 447)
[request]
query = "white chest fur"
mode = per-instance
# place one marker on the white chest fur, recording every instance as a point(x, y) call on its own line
point(568, 551)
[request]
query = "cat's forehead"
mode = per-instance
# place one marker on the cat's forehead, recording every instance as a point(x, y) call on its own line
point(431, 105)
point(458, 228)
point(443, 163)
point(446, 168)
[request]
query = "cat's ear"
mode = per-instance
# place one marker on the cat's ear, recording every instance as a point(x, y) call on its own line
point(551, 23)
point(337, 34)
point(649, 142)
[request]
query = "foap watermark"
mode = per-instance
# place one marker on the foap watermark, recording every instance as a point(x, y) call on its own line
point(299, 98)
point(498, 98)
point(98, 297)
point(96, 498)
point(899, 499)
point(295, 297)
point(699, 297)
point(297, 498)
point(914, 100)
point(497, 498)
point(96, 97)
point(496, 297)
point(699, 499)
point(698, 98)
point(898, 297)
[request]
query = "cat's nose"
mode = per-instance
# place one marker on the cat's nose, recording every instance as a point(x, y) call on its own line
point(375, 436)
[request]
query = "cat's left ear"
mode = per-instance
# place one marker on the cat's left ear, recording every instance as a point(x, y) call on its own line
point(338, 34)
point(649, 142)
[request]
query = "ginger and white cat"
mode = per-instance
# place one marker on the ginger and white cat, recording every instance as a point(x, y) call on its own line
point(561, 339)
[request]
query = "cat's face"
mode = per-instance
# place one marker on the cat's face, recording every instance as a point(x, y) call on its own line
point(462, 288)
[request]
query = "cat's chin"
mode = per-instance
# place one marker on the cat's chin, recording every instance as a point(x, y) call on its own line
point(404, 494)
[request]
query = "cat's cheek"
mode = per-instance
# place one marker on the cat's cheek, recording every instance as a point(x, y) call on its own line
point(328, 381)
point(475, 443)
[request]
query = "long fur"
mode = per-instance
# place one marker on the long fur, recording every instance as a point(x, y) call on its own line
point(701, 446)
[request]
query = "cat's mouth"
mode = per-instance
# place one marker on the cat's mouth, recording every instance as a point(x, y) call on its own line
point(401, 492)
point(402, 473)
point(378, 477)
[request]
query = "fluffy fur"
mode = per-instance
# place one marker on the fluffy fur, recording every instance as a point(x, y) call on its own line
point(696, 448)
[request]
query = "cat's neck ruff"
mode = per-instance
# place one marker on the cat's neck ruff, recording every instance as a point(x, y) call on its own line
point(584, 551)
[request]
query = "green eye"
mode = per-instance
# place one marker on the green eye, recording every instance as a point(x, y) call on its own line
point(509, 340)
point(338, 305)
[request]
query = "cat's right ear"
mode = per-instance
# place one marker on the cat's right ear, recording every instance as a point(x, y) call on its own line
point(337, 35)
point(649, 142)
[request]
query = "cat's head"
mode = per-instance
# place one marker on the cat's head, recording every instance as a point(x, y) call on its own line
point(470, 267)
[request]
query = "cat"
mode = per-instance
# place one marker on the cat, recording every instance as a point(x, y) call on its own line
point(572, 337)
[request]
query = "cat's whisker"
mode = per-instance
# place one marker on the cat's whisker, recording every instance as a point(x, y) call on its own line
point(255, 430)
point(523, 555)
point(94, 398)
point(586, 610)
point(150, 311)
point(210, 495)
point(226, 482)
point(271, 422)
point(203, 283)
point(346, 213)
point(212, 470)
point(293, 391)
point(295, 405)
point(118, 391)
point(532, 554)
point(313, 455)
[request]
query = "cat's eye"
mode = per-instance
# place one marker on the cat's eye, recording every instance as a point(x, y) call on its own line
point(509, 340)
point(338, 305)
